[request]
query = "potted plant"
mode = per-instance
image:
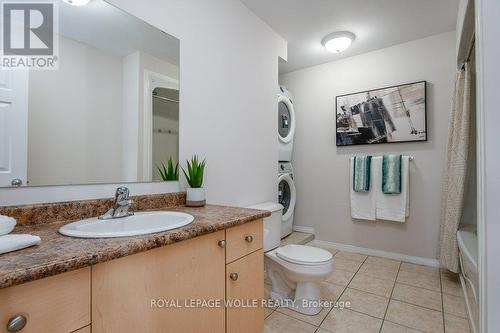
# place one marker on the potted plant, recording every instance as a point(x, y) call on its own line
point(169, 173)
point(194, 176)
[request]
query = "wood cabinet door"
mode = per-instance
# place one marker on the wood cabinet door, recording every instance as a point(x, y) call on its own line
point(147, 292)
point(242, 289)
point(57, 304)
point(85, 329)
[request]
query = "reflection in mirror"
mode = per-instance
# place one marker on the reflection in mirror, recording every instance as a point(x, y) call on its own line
point(108, 114)
point(165, 126)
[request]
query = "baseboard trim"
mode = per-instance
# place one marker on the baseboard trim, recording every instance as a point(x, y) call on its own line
point(379, 253)
point(299, 228)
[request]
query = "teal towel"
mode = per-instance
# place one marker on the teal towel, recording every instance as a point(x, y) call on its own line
point(391, 174)
point(361, 174)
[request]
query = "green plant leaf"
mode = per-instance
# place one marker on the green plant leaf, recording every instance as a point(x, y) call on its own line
point(187, 177)
point(169, 173)
point(161, 171)
point(195, 171)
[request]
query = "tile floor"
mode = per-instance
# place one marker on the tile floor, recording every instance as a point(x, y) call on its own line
point(297, 237)
point(386, 296)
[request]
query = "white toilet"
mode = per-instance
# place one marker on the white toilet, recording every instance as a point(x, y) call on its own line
point(294, 270)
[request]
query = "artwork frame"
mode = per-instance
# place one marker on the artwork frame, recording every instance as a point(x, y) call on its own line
point(392, 114)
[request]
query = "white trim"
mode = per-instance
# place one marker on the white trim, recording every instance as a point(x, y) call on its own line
point(152, 80)
point(307, 230)
point(379, 253)
point(481, 170)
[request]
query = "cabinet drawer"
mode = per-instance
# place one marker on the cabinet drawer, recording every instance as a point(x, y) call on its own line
point(245, 282)
point(55, 304)
point(243, 239)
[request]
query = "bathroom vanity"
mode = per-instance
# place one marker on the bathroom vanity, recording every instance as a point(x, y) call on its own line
point(174, 281)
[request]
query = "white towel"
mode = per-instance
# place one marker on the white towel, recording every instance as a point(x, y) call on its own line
point(393, 207)
point(15, 242)
point(363, 204)
point(7, 224)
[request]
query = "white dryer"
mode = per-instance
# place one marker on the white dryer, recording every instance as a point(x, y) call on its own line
point(286, 125)
point(287, 196)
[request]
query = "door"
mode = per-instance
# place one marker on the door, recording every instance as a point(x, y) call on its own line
point(13, 127)
point(286, 119)
point(171, 289)
point(57, 304)
point(287, 197)
point(245, 285)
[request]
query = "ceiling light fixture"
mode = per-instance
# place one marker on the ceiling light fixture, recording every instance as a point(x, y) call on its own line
point(77, 3)
point(338, 41)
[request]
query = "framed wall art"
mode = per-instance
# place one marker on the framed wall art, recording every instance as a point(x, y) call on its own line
point(385, 115)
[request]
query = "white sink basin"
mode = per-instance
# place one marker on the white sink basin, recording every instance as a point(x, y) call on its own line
point(141, 223)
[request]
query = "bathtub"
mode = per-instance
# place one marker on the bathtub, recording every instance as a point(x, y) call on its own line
point(469, 275)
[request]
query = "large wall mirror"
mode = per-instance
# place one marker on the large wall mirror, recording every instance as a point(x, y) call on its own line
point(108, 114)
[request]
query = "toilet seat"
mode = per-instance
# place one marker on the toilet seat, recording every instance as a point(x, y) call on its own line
point(303, 255)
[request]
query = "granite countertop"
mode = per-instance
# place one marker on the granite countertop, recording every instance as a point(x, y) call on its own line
point(58, 254)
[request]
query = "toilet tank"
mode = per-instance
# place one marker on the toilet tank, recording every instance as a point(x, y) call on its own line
point(272, 224)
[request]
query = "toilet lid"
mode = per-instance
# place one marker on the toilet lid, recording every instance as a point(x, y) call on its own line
point(304, 255)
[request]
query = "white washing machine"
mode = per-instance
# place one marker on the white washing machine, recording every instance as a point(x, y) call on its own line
point(287, 196)
point(286, 125)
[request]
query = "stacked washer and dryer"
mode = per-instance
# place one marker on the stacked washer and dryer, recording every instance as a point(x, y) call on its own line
point(295, 271)
point(286, 188)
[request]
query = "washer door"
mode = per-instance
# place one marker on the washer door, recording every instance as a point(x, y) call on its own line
point(286, 195)
point(286, 119)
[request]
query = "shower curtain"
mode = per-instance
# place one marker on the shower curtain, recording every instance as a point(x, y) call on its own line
point(455, 170)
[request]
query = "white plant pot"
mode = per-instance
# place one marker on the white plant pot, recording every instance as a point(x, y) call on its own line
point(195, 197)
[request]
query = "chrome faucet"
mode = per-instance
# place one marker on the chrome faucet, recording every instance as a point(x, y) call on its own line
point(122, 205)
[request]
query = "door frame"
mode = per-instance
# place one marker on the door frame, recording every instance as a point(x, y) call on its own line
point(487, 23)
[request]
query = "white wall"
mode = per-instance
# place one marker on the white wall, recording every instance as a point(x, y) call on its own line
point(321, 168)
point(130, 120)
point(74, 118)
point(228, 79)
point(488, 72)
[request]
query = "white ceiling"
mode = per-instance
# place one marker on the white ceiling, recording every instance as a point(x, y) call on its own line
point(108, 28)
point(376, 23)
